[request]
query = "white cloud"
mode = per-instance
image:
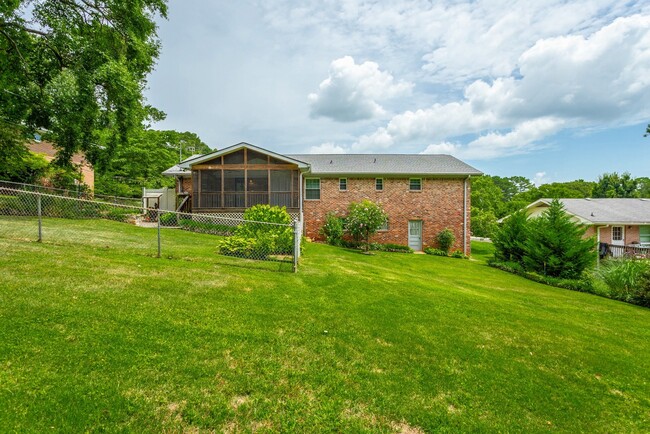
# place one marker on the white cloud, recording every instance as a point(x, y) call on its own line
point(539, 178)
point(569, 81)
point(351, 92)
point(327, 148)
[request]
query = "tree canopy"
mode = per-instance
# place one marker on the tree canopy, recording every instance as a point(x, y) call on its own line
point(76, 69)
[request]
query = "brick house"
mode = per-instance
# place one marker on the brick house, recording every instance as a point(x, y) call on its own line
point(422, 194)
point(48, 151)
point(619, 222)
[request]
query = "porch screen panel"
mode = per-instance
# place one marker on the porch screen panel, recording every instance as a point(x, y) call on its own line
point(258, 187)
point(234, 187)
point(234, 157)
point(195, 189)
point(256, 158)
point(211, 189)
point(281, 188)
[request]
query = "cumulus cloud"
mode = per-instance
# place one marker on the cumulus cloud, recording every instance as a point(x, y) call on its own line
point(568, 81)
point(327, 148)
point(352, 91)
point(539, 178)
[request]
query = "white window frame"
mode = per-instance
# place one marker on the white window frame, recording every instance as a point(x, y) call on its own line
point(343, 181)
point(413, 179)
point(312, 189)
point(382, 184)
point(385, 227)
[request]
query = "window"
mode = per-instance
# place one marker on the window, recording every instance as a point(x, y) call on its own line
point(384, 227)
point(343, 184)
point(415, 184)
point(379, 184)
point(617, 233)
point(312, 189)
point(644, 234)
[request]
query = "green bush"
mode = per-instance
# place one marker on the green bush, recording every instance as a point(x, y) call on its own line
point(168, 219)
point(273, 238)
point(206, 228)
point(332, 229)
point(583, 284)
point(627, 280)
point(509, 239)
point(241, 247)
point(445, 239)
point(435, 252)
point(459, 255)
point(119, 214)
point(363, 220)
point(555, 246)
point(399, 248)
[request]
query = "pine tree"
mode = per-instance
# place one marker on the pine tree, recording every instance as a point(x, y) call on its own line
point(555, 245)
point(510, 237)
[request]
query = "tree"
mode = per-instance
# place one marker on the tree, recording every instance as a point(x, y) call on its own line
point(77, 70)
point(555, 246)
point(512, 185)
point(140, 162)
point(644, 187)
point(509, 239)
point(364, 219)
point(613, 185)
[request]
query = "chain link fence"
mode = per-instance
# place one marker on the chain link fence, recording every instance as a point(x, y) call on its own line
point(27, 215)
point(80, 193)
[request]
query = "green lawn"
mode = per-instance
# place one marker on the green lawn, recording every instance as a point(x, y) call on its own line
point(103, 336)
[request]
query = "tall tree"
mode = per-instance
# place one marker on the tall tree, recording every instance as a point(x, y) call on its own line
point(613, 185)
point(554, 244)
point(76, 69)
point(140, 162)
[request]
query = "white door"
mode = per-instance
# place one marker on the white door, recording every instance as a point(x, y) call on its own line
point(415, 235)
point(618, 239)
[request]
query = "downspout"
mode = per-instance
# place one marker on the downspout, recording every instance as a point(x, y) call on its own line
point(465, 215)
point(300, 216)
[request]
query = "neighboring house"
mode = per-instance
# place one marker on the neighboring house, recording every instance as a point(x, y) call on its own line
point(422, 194)
point(49, 152)
point(622, 222)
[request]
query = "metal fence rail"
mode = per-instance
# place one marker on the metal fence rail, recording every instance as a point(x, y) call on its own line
point(44, 217)
point(80, 194)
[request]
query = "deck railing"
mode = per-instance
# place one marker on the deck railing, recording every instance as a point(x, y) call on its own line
point(639, 251)
point(214, 200)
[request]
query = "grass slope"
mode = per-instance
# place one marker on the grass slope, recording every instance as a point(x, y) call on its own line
point(104, 336)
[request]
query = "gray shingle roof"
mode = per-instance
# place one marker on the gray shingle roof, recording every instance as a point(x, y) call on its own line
point(385, 164)
point(604, 211)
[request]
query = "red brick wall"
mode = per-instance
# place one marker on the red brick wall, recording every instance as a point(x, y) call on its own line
point(439, 205)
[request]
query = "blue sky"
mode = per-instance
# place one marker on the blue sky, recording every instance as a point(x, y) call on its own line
point(552, 90)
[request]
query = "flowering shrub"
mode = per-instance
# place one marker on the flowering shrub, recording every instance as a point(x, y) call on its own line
point(364, 219)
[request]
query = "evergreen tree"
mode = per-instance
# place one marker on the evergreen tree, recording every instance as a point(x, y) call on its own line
point(555, 245)
point(510, 237)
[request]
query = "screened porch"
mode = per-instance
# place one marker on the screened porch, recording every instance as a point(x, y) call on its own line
point(243, 179)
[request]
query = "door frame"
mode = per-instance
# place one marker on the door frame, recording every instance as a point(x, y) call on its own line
point(409, 234)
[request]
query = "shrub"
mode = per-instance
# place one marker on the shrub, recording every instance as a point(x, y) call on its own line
point(364, 219)
point(555, 247)
point(435, 252)
point(119, 214)
point(241, 247)
point(388, 247)
point(627, 280)
point(509, 239)
point(459, 255)
point(332, 229)
point(273, 238)
point(445, 239)
point(168, 219)
point(206, 228)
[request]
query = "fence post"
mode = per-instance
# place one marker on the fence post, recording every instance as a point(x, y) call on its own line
point(158, 219)
point(40, 219)
point(296, 245)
